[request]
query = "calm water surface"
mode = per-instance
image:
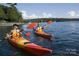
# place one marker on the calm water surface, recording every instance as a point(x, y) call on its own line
point(65, 39)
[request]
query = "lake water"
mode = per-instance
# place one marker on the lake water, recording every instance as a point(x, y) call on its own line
point(65, 39)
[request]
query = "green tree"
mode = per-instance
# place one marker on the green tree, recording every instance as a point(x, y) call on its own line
point(2, 13)
point(10, 13)
point(13, 13)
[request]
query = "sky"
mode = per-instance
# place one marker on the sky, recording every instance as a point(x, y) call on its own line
point(49, 10)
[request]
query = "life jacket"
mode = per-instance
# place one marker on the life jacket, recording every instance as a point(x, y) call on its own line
point(39, 29)
point(15, 33)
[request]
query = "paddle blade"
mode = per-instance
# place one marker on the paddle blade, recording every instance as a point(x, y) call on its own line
point(31, 25)
point(49, 22)
point(28, 34)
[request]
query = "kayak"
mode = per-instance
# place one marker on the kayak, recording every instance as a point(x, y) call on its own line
point(44, 35)
point(26, 45)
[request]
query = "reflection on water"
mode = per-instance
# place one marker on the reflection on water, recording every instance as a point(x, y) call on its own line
point(66, 40)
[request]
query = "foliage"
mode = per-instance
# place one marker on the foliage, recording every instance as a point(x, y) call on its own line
point(2, 13)
point(10, 13)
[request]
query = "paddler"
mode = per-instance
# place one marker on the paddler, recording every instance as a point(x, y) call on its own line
point(39, 28)
point(15, 32)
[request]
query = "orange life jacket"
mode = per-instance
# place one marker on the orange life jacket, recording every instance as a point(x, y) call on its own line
point(15, 33)
point(39, 29)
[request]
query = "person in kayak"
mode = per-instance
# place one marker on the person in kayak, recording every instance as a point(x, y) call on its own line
point(39, 28)
point(15, 32)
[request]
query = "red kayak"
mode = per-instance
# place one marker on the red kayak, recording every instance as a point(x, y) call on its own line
point(26, 45)
point(44, 35)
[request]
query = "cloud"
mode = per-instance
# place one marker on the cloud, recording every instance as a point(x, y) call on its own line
point(33, 16)
point(78, 14)
point(72, 13)
point(47, 15)
point(69, 14)
point(25, 15)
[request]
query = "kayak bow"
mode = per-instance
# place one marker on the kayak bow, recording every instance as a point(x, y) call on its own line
point(26, 45)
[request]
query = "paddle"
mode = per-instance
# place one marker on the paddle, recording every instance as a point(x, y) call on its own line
point(48, 23)
point(31, 25)
point(28, 34)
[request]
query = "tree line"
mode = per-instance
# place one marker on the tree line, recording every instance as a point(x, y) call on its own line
point(10, 13)
point(51, 19)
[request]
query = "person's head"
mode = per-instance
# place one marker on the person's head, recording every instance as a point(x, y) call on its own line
point(15, 26)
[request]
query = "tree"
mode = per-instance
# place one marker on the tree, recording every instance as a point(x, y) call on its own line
point(10, 13)
point(13, 13)
point(2, 13)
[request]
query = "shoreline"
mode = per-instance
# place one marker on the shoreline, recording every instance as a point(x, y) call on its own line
point(9, 24)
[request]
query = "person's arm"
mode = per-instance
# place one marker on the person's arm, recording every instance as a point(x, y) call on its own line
point(8, 35)
point(21, 31)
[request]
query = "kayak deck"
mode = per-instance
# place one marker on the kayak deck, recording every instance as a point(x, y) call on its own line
point(26, 45)
point(44, 35)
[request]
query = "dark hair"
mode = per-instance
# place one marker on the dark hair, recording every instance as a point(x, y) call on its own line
point(15, 25)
